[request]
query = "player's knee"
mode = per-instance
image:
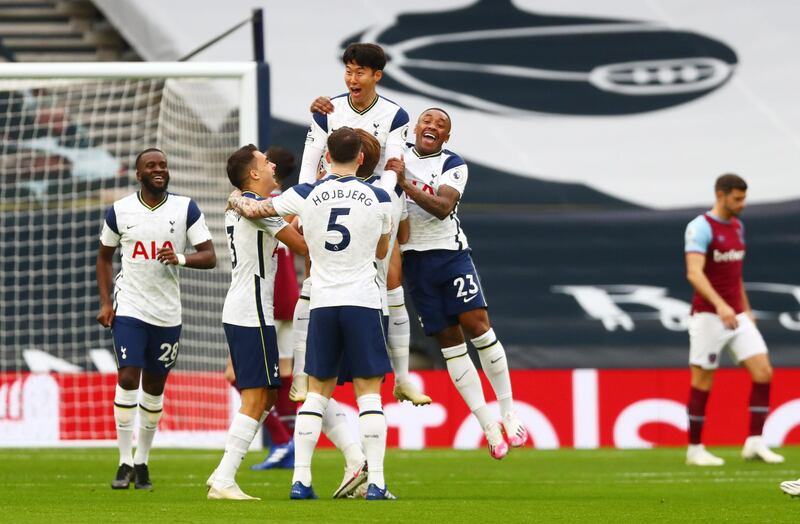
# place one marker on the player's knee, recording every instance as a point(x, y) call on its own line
point(763, 374)
point(128, 378)
point(475, 322)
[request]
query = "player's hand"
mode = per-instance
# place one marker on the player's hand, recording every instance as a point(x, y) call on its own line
point(728, 316)
point(106, 315)
point(322, 105)
point(167, 256)
point(397, 165)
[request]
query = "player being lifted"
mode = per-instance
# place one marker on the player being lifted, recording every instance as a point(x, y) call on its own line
point(362, 108)
point(247, 315)
point(152, 229)
point(443, 281)
point(722, 319)
point(347, 224)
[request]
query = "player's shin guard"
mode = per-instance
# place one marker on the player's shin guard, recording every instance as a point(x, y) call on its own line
point(300, 328)
point(466, 380)
point(399, 334)
point(334, 425)
point(696, 409)
point(307, 428)
point(124, 416)
point(150, 409)
point(372, 427)
point(495, 365)
point(240, 435)
point(759, 407)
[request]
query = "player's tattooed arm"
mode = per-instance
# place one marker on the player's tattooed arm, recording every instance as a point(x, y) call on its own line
point(105, 257)
point(250, 208)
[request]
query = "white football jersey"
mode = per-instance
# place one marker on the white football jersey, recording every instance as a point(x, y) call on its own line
point(144, 288)
point(428, 173)
point(342, 221)
point(254, 260)
point(399, 212)
point(385, 120)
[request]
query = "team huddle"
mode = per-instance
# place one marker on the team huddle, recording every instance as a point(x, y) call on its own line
point(369, 210)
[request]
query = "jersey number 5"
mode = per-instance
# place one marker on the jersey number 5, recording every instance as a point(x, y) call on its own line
point(336, 212)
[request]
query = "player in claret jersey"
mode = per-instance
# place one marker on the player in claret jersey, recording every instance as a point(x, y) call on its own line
point(443, 281)
point(722, 319)
point(152, 228)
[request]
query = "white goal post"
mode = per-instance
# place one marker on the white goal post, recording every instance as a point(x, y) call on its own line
point(69, 133)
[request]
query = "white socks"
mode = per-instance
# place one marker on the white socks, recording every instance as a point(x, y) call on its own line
point(334, 425)
point(399, 334)
point(150, 409)
point(495, 365)
point(465, 378)
point(300, 328)
point(240, 435)
point(124, 416)
point(307, 428)
point(372, 426)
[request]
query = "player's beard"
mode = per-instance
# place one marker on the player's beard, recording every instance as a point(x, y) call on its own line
point(152, 188)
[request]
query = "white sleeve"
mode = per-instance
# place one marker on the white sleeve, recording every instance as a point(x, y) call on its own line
point(386, 217)
point(396, 141)
point(404, 207)
point(388, 181)
point(198, 232)
point(456, 178)
point(316, 141)
point(271, 225)
point(108, 237)
point(288, 203)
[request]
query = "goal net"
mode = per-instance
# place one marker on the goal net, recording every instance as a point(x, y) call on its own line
point(69, 134)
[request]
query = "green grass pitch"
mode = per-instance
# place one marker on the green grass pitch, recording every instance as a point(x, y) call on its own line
point(434, 486)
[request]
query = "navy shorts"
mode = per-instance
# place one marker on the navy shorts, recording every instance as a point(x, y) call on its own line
point(141, 345)
point(443, 284)
point(345, 375)
point(349, 338)
point(254, 353)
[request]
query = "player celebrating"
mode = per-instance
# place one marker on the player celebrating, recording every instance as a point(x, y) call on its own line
point(152, 228)
point(443, 281)
point(347, 225)
point(248, 312)
point(722, 318)
point(362, 108)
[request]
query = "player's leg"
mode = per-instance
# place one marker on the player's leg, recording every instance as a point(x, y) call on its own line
point(299, 336)
point(254, 353)
point(750, 350)
point(476, 325)
point(399, 334)
point(334, 426)
point(130, 340)
point(706, 340)
point(366, 358)
point(280, 420)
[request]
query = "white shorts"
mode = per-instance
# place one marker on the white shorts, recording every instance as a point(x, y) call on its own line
point(708, 337)
point(284, 331)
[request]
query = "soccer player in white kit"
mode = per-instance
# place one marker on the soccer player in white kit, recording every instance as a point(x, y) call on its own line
point(247, 315)
point(152, 228)
point(444, 283)
point(362, 108)
point(347, 224)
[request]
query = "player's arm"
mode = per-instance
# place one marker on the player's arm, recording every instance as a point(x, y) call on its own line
point(293, 240)
point(382, 249)
point(746, 302)
point(250, 207)
point(316, 140)
point(105, 271)
point(440, 205)
point(204, 258)
point(695, 262)
point(403, 232)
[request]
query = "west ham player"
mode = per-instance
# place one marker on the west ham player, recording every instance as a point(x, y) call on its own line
point(152, 229)
point(722, 319)
point(362, 108)
point(443, 281)
point(347, 224)
point(247, 315)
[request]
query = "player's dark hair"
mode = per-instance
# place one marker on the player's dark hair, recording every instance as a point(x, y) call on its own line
point(439, 109)
point(728, 182)
point(140, 155)
point(365, 55)
point(372, 154)
point(239, 164)
point(344, 145)
point(284, 164)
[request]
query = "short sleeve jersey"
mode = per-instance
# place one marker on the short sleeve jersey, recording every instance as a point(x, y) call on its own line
point(722, 243)
point(144, 288)
point(342, 221)
point(253, 250)
point(429, 173)
point(385, 120)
